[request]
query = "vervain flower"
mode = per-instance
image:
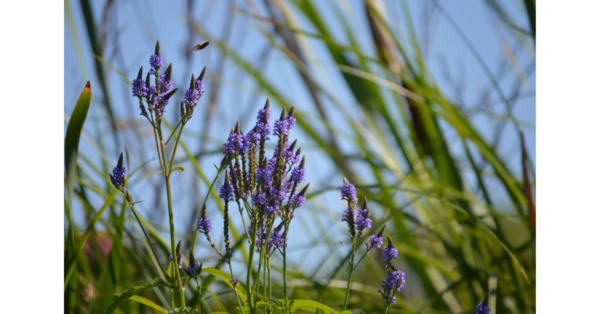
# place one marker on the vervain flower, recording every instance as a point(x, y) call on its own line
point(204, 224)
point(156, 61)
point(235, 143)
point(376, 241)
point(348, 191)
point(482, 309)
point(389, 252)
point(346, 215)
point(117, 178)
point(139, 88)
point(394, 282)
point(226, 192)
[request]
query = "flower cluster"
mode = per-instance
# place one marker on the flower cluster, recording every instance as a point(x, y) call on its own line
point(204, 224)
point(117, 177)
point(389, 252)
point(159, 95)
point(392, 284)
point(482, 309)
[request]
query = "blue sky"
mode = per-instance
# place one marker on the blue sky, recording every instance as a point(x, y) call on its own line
point(140, 25)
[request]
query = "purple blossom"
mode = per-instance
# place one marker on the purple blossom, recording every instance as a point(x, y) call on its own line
point(193, 270)
point(139, 88)
point(346, 214)
point(298, 200)
point(394, 282)
point(348, 192)
point(259, 199)
point(376, 241)
point(283, 127)
point(165, 85)
point(232, 281)
point(235, 143)
point(191, 96)
point(179, 258)
point(117, 178)
point(389, 253)
point(363, 220)
point(298, 175)
point(482, 309)
point(200, 86)
point(226, 192)
point(276, 239)
point(156, 61)
point(160, 103)
point(204, 225)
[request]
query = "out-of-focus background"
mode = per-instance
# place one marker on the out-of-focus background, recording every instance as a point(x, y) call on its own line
point(428, 107)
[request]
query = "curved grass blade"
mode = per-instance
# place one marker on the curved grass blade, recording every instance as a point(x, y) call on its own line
point(146, 302)
point(157, 282)
point(71, 147)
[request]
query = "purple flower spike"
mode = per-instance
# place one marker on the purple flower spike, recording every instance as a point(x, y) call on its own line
point(389, 253)
point(363, 220)
point(283, 127)
point(226, 192)
point(348, 191)
point(482, 309)
point(235, 143)
point(346, 214)
point(117, 178)
point(156, 61)
point(376, 241)
point(204, 225)
point(394, 282)
point(298, 175)
point(139, 88)
point(191, 97)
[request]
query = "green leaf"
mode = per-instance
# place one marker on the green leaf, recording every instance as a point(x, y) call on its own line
point(72, 138)
point(241, 291)
point(147, 302)
point(275, 302)
point(310, 306)
point(180, 169)
point(347, 312)
point(157, 282)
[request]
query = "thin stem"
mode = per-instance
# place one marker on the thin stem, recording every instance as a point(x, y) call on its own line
point(249, 274)
point(386, 309)
point(262, 252)
point(175, 129)
point(200, 295)
point(158, 151)
point(285, 267)
point(265, 281)
point(172, 229)
point(175, 148)
point(237, 297)
point(350, 277)
point(148, 239)
point(269, 270)
point(360, 260)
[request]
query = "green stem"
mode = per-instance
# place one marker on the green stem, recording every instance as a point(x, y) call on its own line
point(175, 129)
point(269, 270)
point(175, 148)
point(237, 297)
point(178, 289)
point(249, 274)
point(265, 281)
point(285, 268)
point(148, 239)
point(200, 296)
point(386, 309)
point(350, 277)
point(360, 260)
